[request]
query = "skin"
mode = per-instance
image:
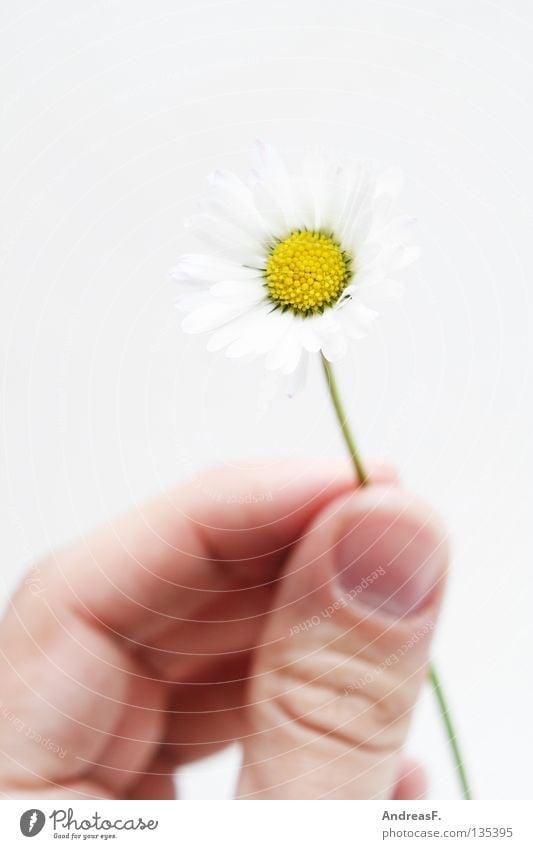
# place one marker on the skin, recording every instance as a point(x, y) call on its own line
point(178, 628)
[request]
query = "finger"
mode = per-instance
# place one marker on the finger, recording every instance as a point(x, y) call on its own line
point(123, 762)
point(69, 692)
point(158, 782)
point(214, 544)
point(411, 782)
point(345, 651)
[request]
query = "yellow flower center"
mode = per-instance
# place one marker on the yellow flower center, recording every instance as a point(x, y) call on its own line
point(307, 272)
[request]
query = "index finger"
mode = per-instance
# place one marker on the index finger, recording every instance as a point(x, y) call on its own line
point(220, 533)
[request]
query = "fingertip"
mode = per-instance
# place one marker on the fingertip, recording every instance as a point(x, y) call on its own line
point(412, 782)
point(393, 531)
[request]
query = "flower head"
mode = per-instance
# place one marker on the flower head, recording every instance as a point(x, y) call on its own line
point(298, 261)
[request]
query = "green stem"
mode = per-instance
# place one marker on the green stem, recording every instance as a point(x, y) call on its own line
point(363, 480)
point(362, 475)
point(450, 731)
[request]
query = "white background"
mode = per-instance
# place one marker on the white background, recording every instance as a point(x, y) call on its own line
point(112, 112)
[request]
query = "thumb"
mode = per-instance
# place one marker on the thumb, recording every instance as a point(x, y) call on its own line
point(345, 651)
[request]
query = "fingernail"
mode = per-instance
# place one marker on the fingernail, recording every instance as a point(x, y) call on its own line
point(391, 552)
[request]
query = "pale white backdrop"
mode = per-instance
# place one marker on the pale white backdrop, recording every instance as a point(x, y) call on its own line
point(112, 112)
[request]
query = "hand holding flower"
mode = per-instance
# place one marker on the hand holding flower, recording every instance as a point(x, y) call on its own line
point(298, 624)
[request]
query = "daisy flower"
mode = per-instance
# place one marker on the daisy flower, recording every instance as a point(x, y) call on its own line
point(297, 262)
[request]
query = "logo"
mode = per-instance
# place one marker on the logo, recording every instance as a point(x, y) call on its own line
point(32, 822)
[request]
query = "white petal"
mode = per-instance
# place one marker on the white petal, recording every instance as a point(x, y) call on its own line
point(391, 289)
point(226, 237)
point(293, 355)
point(329, 329)
point(241, 347)
point(309, 337)
point(285, 356)
point(374, 287)
point(402, 256)
point(274, 191)
point(334, 347)
point(257, 332)
point(233, 200)
point(212, 315)
point(411, 254)
point(358, 231)
point(209, 269)
point(315, 192)
point(243, 290)
point(355, 203)
point(382, 207)
point(274, 212)
point(400, 230)
point(231, 331)
point(296, 381)
point(365, 278)
point(356, 319)
point(192, 297)
point(270, 328)
point(367, 254)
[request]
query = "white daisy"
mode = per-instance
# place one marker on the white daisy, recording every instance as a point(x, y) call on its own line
point(299, 260)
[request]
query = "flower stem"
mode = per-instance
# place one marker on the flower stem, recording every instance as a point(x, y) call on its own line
point(363, 479)
point(450, 731)
point(361, 472)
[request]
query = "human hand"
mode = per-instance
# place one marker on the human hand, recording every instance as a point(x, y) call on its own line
point(281, 609)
